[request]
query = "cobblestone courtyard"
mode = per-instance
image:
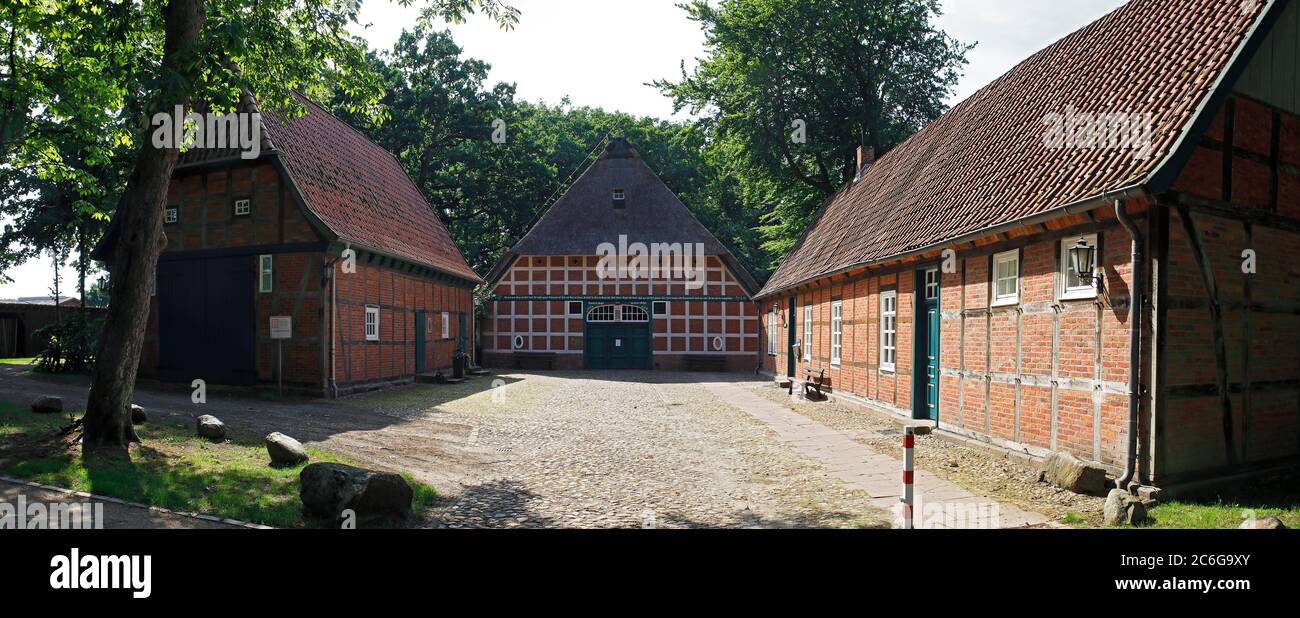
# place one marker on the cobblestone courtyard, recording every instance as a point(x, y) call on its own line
point(626, 449)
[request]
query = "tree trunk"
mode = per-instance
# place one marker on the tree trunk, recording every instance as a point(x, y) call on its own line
point(134, 254)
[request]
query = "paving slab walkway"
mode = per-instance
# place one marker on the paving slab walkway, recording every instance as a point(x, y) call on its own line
point(861, 467)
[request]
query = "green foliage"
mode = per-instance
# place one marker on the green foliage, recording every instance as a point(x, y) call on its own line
point(71, 344)
point(864, 72)
point(439, 118)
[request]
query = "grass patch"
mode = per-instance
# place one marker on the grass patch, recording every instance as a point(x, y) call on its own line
point(172, 469)
point(17, 361)
point(1277, 497)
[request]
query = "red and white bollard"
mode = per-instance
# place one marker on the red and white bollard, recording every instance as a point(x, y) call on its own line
point(909, 465)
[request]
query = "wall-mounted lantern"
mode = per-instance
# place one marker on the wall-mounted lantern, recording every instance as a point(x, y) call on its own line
point(1082, 259)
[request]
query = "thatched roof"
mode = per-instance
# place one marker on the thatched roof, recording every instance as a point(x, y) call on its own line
point(586, 216)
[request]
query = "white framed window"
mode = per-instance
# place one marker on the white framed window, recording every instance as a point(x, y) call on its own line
point(837, 331)
point(633, 313)
point(807, 332)
point(1006, 278)
point(575, 307)
point(265, 274)
point(771, 332)
point(372, 323)
point(619, 195)
point(446, 325)
point(1074, 287)
point(932, 284)
point(888, 330)
point(243, 207)
point(603, 313)
point(171, 215)
point(661, 307)
point(428, 324)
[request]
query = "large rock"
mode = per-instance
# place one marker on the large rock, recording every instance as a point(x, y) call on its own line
point(1123, 509)
point(1265, 523)
point(210, 427)
point(138, 416)
point(327, 489)
point(1071, 473)
point(285, 451)
point(47, 405)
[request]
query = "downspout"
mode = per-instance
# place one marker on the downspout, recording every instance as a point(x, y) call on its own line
point(334, 318)
point(1134, 344)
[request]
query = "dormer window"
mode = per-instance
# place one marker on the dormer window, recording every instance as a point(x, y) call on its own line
point(620, 198)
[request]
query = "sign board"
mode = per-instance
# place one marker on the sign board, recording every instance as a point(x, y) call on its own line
point(281, 327)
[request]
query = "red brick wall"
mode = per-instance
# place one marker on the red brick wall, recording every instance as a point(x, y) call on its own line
point(688, 329)
point(1042, 374)
point(398, 295)
point(1234, 207)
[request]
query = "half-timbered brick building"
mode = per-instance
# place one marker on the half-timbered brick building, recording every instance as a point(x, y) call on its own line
point(558, 299)
point(985, 273)
point(323, 228)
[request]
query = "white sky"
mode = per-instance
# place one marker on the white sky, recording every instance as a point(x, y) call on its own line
point(601, 53)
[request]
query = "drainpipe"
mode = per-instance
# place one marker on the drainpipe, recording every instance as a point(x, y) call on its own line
point(334, 318)
point(1134, 344)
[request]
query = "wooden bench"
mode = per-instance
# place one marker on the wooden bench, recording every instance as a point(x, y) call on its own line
point(535, 360)
point(816, 383)
point(701, 362)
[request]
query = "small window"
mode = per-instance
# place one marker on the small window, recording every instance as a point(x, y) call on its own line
point(718, 344)
point(265, 274)
point(807, 332)
point(372, 323)
point(171, 215)
point(888, 330)
point(575, 307)
point(243, 207)
point(932, 284)
point(446, 325)
point(428, 324)
point(620, 195)
point(771, 332)
point(661, 307)
point(603, 313)
point(633, 313)
point(1006, 278)
point(1074, 287)
point(837, 331)
point(518, 342)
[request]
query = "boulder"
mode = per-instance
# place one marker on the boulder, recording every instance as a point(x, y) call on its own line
point(47, 405)
point(211, 427)
point(1264, 523)
point(1073, 474)
point(285, 451)
point(138, 416)
point(327, 489)
point(1123, 509)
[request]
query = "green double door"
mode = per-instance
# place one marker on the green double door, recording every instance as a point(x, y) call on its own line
point(614, 345)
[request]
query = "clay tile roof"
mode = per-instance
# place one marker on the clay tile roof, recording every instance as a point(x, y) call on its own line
point(985, 163)
point(360, 191)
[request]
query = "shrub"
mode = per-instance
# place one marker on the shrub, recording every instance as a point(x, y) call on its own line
point(70, 344)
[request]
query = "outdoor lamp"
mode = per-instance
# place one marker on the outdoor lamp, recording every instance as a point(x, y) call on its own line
point(1082, 258)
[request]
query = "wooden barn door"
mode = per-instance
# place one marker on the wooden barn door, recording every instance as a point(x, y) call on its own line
point(206, 320)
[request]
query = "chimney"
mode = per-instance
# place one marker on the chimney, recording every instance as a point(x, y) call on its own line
point(866, 156)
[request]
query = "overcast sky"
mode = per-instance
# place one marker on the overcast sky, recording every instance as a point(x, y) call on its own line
point(601, 53)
